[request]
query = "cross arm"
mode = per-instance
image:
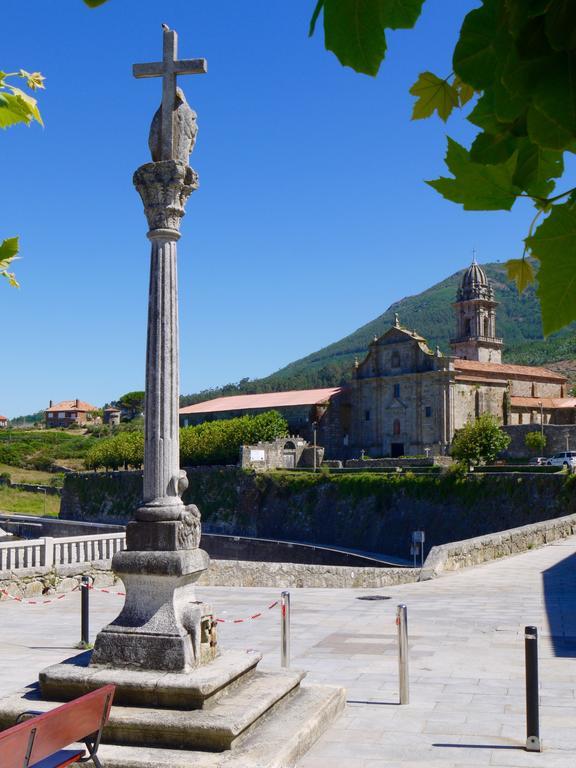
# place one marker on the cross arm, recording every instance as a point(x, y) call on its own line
point(179, 67)
point(191, 67)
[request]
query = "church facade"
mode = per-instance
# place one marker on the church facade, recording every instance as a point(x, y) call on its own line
point(406, 399)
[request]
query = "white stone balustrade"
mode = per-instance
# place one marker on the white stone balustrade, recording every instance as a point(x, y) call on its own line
point(67, 550)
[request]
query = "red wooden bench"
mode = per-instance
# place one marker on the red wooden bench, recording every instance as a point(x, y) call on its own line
point(40, 740)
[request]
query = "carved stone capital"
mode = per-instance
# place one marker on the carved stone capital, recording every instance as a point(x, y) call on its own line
point(164, 188)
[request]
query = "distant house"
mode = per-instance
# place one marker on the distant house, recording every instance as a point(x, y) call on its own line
point(69, 412)
point(111, 416)
point(3, 422)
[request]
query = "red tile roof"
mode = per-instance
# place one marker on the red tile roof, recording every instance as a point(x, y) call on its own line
point(547, 402)
point(70, 405)
point(265, 400)
point(474, 366)
point(3, 418)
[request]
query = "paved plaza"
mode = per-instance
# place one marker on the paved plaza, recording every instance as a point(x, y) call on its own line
point(466, 659)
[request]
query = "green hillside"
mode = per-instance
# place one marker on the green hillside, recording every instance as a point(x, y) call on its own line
point(430, 313)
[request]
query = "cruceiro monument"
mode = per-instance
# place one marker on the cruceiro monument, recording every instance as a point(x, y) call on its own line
point(180, 699)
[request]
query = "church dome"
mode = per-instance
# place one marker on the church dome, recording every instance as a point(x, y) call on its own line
point(474, 275)
point(475, 284)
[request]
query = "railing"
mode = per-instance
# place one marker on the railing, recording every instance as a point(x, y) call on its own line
point(68, 550)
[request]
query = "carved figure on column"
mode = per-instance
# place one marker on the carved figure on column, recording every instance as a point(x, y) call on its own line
point(184, 130)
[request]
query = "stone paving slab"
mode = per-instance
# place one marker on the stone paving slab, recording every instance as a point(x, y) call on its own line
point(467, 659)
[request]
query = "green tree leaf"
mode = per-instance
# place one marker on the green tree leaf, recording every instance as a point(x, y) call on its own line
point(400, 14)
point(355, 29)
point(521, 271)
point(536, 168)
point(465, 91)
point(475, 57)
point(9, 249)
point(552, 116)
point(484, 114)
point(434, 95)
point(34, 80)
point(95, 3)
point(30, 102)
point(13, 110)
point(554, 245)
point(477, 187)
point(8, 252)
point(561, 24)
point(493, 148)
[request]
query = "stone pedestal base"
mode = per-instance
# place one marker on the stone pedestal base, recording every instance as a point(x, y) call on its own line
point(199, 689)
point(162, 626)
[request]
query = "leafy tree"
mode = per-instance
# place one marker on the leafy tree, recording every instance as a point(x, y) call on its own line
point(479, 441)
point(16, 106)
point(535, 441)
point(518, 57)
point(218, 442)
point(133, 402)
point(212, 442)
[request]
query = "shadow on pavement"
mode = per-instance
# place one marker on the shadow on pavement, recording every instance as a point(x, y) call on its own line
point(481, 746)
point(559, 584)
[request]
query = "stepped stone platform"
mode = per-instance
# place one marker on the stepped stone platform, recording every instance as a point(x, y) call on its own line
point(224, 713)
point(269, 721)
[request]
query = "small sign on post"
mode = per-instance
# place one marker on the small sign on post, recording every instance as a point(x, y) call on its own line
point(418, 538)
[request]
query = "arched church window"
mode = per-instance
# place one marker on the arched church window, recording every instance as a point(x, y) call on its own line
point(395, 360)
point(396, 427)
point(486, 327)
point(467, 327)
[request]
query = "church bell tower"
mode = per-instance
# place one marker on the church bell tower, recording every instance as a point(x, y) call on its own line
point(475, 310)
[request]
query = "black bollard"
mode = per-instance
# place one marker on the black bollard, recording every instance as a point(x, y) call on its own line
point(85, 628)
point(532, 715)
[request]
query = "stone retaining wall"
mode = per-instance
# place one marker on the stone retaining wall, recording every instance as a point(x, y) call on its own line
point(33, 583)
point(463, 554)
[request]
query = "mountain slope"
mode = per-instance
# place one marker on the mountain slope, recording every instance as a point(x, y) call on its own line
point(430, 313)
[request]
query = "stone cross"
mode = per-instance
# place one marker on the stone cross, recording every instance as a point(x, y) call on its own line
point(167, 69)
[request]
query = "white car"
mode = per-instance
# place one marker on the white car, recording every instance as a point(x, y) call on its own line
point(566, 459)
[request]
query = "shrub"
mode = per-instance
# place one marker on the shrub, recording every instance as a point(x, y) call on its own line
point(218, 442)
point(535, 441)
point(479, 441)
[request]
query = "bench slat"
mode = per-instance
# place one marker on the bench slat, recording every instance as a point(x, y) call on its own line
point(56, 729)
point(60, 759)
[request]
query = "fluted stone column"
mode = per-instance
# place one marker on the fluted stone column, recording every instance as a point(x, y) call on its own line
point(164, 188)
point(162, 626)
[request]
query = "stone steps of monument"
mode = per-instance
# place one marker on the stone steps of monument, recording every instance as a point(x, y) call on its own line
point(279, 739)
point(216, 729)
point(199, 689)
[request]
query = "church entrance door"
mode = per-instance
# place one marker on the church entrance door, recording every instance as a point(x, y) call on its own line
point(396, 449)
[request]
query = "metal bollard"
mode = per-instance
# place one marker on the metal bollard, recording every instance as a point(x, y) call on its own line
point(402, 624)
point(285, 629)
point(85, 625)
point(532, 715)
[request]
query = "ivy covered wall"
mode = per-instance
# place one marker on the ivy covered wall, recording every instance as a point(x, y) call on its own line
point(371, 512)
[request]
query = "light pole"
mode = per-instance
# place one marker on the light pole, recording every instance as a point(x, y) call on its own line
point(541, 404)
point(314, 426)
point(42, 488)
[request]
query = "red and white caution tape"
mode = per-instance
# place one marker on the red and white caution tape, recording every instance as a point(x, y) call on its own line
point(248, 618)
point(34, 602)
point(106, 591)
point(55, 598)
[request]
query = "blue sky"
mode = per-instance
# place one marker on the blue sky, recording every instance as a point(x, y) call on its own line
point(311, 217)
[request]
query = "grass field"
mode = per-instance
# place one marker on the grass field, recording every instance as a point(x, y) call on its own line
point(32, 476)
point(25, 503)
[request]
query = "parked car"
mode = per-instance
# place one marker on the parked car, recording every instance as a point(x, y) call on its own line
point(566, 459)
point(538, 461)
